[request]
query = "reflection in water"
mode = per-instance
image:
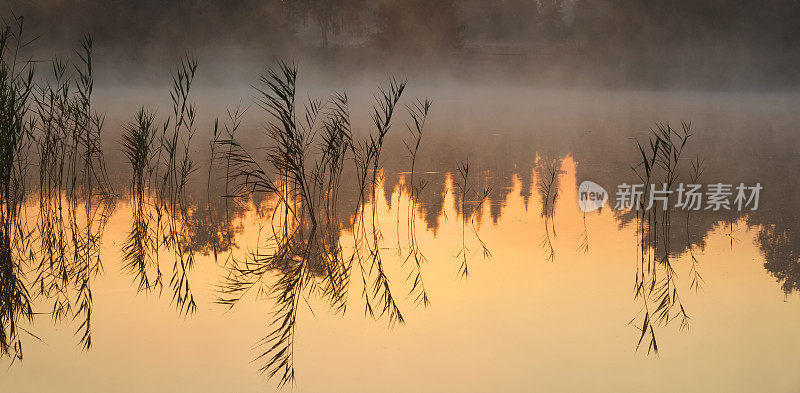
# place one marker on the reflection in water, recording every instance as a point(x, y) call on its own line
point(548, 174)
point(468, 211)
point(139, 247)
point(15, 302)
point(302, 243)
point(302, 251)
point(782, 254)
point(695, 175)
point(75, 196)
point(321, 222)
point(419, 114)
point(161, 163)
point(275, 259)
point(656, 280)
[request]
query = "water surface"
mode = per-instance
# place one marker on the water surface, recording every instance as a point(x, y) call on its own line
point(550, 307)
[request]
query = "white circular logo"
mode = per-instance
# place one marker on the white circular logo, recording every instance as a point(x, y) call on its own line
point(591, 196)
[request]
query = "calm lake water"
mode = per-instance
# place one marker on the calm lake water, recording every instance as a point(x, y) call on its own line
point(551, 303)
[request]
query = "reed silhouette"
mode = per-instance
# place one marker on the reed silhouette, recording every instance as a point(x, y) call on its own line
point(656, 280)
point(16, 86)
point(547, 175)
point(468, 210)
point(301, 253)
point(161, 163)
point(139, 249)
point(55, 120)
point(75, 194)
point(419, 113)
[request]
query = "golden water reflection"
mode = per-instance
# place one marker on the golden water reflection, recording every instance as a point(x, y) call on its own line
point(520, 321)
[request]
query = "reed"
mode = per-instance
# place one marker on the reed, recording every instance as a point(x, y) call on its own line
point(75, 194)
point(381, 293)
point(336, 141)
point(52, 103)
point(655, 283)
point(695, 174)
point(304, 182)
point(98, 194)
point(139, 145)
point(419, 114)
point(308, 150)
point(221, 230)
point(467, 213)
point(547, 182)
point(301, 175)
point(161, 165)
point(583, 241)
point(174, 167)
point(16, 86)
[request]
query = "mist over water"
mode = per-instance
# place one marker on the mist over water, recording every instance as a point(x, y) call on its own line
point(612, 44)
